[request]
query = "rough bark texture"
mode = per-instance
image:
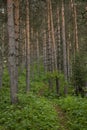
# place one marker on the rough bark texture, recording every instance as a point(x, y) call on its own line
point(12, 52)
point(16, 17)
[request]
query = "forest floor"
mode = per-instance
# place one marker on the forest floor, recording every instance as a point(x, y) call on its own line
point(61, 115)
point(62, 118)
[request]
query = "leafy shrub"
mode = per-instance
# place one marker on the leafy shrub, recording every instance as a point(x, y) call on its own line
point(32, 113)
point(76, 109)
point(79, 76)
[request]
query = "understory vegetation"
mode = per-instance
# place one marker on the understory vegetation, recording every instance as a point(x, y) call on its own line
point(36, 109)
point(76, 111)
point(43, 64)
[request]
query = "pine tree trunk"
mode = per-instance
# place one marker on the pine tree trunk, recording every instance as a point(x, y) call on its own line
point(49, 52)
point(38, 54)
point(59, 41)
point(16, 17)
point(49, 45)
point(76, 29)
point(53, 39)
point(69, 47)
point(32, 72)
point(44, 50)
point(64, 46)
point(12, 52)
point(27, 47)
point(58, 51)
point(74, 16)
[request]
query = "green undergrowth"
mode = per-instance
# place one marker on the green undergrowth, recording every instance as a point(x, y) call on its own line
point(36, 110)
point(76, 111)
point(31, 113)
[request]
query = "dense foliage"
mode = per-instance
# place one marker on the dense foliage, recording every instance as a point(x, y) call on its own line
point(36, 110)
point(76, 110)
point(79, 74)
point(32, 113)
point(43, 64)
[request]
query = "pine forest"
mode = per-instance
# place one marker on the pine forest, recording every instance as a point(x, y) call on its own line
point(43, 64)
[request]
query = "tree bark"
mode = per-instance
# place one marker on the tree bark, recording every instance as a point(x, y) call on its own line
point(76, 29)
point(64, 46)
point(74, 16)
point(49, 45)
point(49, 52)
point(27, 47)
point(38, 54)
point(59, 41)
point(44, 50)
point(54, 55)
point(58, 51)
point(12, 52)
point(16, 19)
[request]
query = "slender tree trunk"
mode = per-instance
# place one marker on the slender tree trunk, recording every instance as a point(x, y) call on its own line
point(12, 52)
point(49, 46)
point(54, 48)
point(38, 54)
point(73, 30)
point(49, 59)
point(32, 54)
point(58, 51)
point(69, 47)
point(27, 47)
point(59, 41)
point(16, 17)
point(68, 58)
point(76, 29)
point(74, 15)
point(53, 39)
point(64, 46)
point(44, 50)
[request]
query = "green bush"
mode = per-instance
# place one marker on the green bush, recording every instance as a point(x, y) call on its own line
point(79, 72)
point(32, 113)
point(76, 109)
